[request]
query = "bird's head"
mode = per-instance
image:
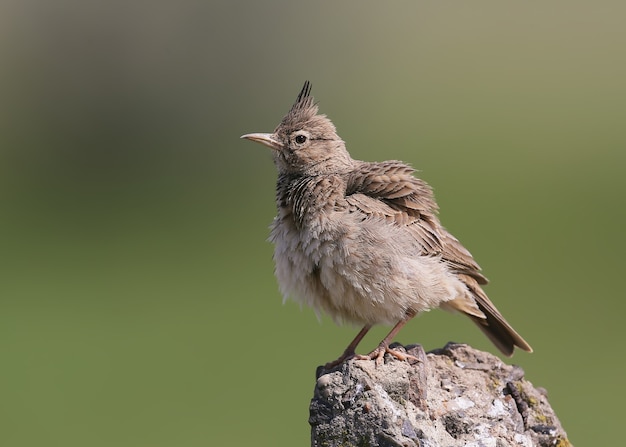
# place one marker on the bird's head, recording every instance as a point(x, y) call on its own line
point(305, 142)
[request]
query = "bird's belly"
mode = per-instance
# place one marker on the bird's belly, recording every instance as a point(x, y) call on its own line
point(355, 279)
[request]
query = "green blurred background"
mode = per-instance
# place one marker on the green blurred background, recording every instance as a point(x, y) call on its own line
point(137, 301)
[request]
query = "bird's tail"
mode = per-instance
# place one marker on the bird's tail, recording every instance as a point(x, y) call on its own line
point(488, 319)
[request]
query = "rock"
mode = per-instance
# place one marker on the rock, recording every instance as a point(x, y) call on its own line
point(455, 396)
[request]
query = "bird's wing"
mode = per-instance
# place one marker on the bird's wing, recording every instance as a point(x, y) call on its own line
point(389, 190)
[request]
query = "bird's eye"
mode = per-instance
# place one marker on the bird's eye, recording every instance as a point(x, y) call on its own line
point(300, 139)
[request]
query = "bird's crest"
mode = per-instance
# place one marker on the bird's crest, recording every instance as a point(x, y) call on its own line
point(303, 109)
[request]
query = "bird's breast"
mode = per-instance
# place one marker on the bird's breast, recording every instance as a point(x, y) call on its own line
point(355, 269)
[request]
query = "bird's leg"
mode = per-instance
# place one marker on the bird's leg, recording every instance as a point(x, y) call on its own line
point(350, 350)
point(378, 354)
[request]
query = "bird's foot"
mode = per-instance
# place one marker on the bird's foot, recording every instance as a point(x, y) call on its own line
point(347, 355)
point(378, 355)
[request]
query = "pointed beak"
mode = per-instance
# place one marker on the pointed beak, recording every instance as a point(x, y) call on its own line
point(266, 139)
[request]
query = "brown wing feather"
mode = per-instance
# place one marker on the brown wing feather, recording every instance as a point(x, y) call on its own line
point(390, 190)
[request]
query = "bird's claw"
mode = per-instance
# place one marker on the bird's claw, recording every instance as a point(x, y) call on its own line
point(343, 358)
point(378, 355)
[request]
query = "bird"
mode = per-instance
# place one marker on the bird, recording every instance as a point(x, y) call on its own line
point(362, 242)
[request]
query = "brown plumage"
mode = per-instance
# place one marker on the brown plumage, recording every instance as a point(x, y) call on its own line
point(362, 241)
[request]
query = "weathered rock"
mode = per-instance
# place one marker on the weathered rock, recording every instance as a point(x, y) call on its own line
point(455, 396)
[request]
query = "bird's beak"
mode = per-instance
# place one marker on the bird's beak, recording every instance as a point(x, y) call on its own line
point(267, 139)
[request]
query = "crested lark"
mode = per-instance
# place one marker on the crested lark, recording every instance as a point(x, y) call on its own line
point(362, 242)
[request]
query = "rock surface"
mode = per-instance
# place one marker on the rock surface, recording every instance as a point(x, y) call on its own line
point(455, 396)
